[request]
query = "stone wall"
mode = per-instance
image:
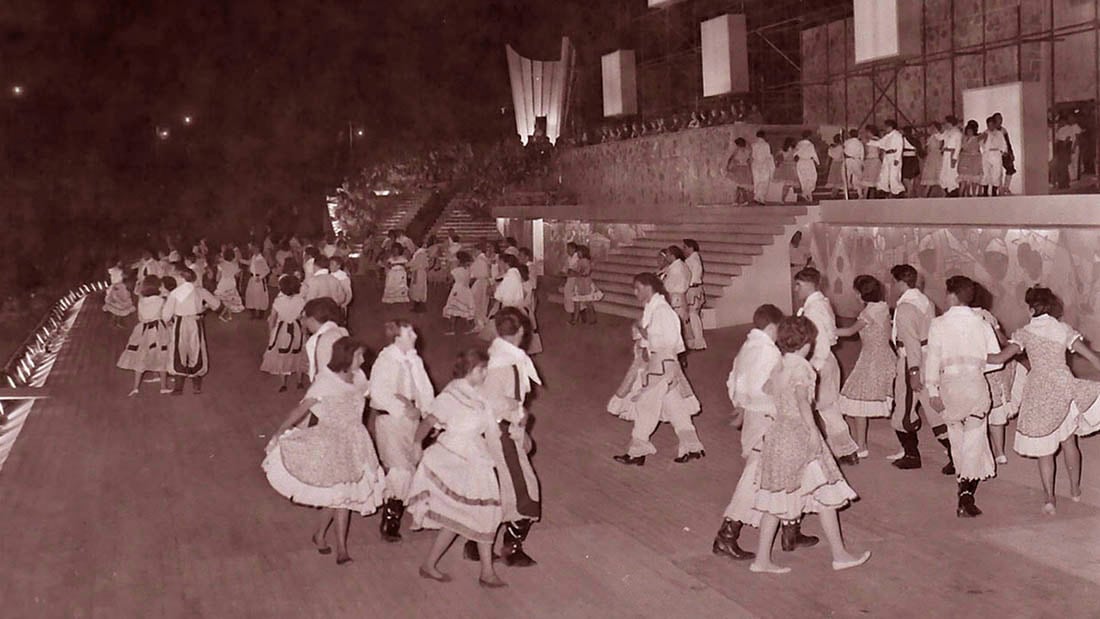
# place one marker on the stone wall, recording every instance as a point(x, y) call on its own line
point(929, 88)
point(1005, 260)
point(681, 169)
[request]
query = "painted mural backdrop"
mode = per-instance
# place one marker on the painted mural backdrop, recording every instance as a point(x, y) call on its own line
point(600, 238)
point(1006, 261)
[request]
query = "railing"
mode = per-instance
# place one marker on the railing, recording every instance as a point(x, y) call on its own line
point(25, 373)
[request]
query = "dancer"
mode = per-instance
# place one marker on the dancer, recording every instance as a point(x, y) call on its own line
point(256, 297)
point(1056, 407)
point(324, 284)
point(338, 269)
point(331, 465)
point(320, 317)
point(570, 269)
point(418, 279)
point(585, 292)
point(853, 165)
point(806, 162)
point(117, 301)
point(676, 278)
point(510, 380)
point(481, 274)
point(397, 277)
point(147, 348)
point(954, 371)
point(695, 298)
point(817, 308)
point(182, 312)
point(1005, 384)
point(455, 487)
point(226, 288)
point(762, 167)
point(528, 269)
point(994, 147)
point(662, 392)
point(460, 301)
point(285, 355)
point(400, 393)
point(912, 317)
point(754, 410)
point(739, 170)
point(797, 474)
point(952, 139)
point(869, 390)
point(892, 144)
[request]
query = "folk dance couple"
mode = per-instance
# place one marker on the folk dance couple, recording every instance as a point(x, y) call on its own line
point(655, 388)
point(454, 486)
point(789, 470)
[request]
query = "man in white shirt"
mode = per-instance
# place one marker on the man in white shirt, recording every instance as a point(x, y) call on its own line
point(187, 351)
point(949, 166)
point(912, 318)
point(400, 390)
point(959, 344)
point(806, 162)
point(818, 309)
point(762, 166)
point(853, 164)
point(892, 144)
point(695, 297)
point(755, 411)
point(994, 146)
point(319, 318)
point(323, 284)
point(665, 394)
point(406, 242)
point(676, 278)
point(338, 270)
point(510, 380)
point(482, 277)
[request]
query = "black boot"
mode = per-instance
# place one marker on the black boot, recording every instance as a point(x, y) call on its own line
point(911, 459)
point(390, 528)
point(949, 468)
point(471, 553)
point(514, 534)
point(967, 508)
point(725, 543)
point(792, 537)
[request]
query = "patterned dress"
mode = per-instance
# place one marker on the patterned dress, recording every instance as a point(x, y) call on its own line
point(933, 161)
point(118, 300)
point(285, 352)
point(970, 160)
point(872, 164)
point(147, 348)
point(397, 281)
point(332, 464)
point(869, 390)
point(1055, 404)
point(798, 473)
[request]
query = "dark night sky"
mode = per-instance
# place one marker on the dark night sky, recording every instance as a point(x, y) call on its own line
point(270, 84)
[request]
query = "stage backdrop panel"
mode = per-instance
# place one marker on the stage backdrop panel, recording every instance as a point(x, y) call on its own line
point(1024, 108)
point(725, 55)
point(620, 85)
point(886, 29)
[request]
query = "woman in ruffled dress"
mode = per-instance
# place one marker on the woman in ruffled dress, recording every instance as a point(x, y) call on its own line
point(455, 487)
point(331, 465)
point(739, 170)
point(256, 297)
point(798, 473)
point(226, 289)
point(460, 302)
point(869, 390)
point(117, 301)
point(872, 160)
point(147, 348)
point(585, 293)
point(1056, 406)
point(970, 160)
point(285, 354)
point(397, 276)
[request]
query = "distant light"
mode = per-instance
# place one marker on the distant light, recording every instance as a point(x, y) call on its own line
point(187, 120)
point(382, 192)
point(354, 254)
point(359, 133)
point(163, 133)
point(17, 90)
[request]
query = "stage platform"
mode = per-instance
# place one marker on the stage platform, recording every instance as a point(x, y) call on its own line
point(156, 506)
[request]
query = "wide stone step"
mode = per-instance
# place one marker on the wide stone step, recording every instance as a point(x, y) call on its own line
point(738, 255)
point(716, 269)
point(692, 229)
point(614, 304)
point(758, 240)
point(715, 237)
point(618, 283)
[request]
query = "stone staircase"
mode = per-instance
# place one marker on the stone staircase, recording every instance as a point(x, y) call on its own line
point(401, 209)
point(733, 242)
point(471, 229)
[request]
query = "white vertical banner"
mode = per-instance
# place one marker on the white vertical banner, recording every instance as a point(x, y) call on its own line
point(886, 28)
point(725, 55)
point(620, 91)
point(1023, 106)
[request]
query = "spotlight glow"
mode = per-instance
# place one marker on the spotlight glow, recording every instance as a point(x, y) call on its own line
point(187, 120)
point(17, 90)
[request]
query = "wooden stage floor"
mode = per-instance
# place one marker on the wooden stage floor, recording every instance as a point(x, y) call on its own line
point(156, 507)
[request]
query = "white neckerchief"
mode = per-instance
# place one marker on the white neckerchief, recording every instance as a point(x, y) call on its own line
point(812, 298)
point(311, 346)
point(414, 379)
point(503, 354)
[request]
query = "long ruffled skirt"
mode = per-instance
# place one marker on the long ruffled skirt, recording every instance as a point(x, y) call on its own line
point(457, 492)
